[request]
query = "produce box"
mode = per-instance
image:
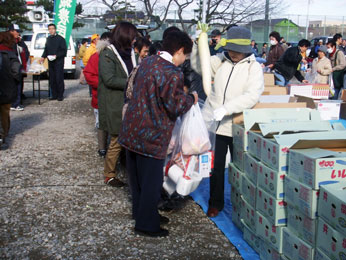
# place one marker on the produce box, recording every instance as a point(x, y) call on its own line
point(301, 197)
point(329, 109)
point(236, 216)
point(248, 215)
point(235, 197)
point(269, 232)
point(249, 191)
point(268, 252)
point(332, 205)
point(234, 176)
point(251, 238)
point(315, 91)
point(240, 137)
point(302, 226)
point(269, 79)
point(320, 255)
point(315, 167)
point(271, 181)
point(275, 155)
point(238, 157)
point(274, 90)
point(273, 209)
point(295, 248)
point(331, 242)
point(254, 144)
point(251, 167)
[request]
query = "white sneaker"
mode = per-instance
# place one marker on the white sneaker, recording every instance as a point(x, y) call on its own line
point(18, 108)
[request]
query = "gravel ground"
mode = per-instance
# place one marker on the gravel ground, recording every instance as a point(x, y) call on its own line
point(54, 204)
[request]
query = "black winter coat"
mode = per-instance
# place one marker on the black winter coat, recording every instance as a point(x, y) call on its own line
point(55, 45)
point(288, 63)
point(192, 80)
point(10, 76)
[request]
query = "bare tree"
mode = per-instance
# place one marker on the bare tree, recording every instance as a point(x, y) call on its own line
point(111, 4)
point(182, 5)
point(156, 11)
point(226, 12)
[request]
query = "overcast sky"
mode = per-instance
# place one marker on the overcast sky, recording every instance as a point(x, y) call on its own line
point(317, 7)
point(295, 7)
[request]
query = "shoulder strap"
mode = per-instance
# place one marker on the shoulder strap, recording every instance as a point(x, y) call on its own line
point(130, 82)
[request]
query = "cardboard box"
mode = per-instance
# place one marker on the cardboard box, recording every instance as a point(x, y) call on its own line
point(302, 226)
point(239, 117)
point(251, 167)
point(238, 157)
point(332, 205)
point(274, 151)
point(236, 216)
point(275, 155)
point(251, 238)
point(313, 125)
point(331, 242)
point(269, 253)
point(269, 232)
point(301, 197)
point(254, 144)
point(273, 209)
point(249, 191)
point(315, 167)
point(296, 249)
point(315, 91)
point(271, 181)
point(274, 90)
point(239, 137)
point(269, 79)
point(320, 256)
point(329, 109)
point(235, 197)
point(248, 215)
point(234, 176)
point(253, 117)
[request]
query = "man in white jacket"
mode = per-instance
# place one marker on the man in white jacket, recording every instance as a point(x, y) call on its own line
point(238, 84)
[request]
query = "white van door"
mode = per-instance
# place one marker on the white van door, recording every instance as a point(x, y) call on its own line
point(38, 43)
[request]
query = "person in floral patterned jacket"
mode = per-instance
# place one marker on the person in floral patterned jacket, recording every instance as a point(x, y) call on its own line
point(158, 99)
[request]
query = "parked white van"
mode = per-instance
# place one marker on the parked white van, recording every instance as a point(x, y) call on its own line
point(38, 43)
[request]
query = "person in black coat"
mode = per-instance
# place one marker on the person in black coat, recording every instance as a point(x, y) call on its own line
point(10, 76)
point(55, 50)
point(287, 65)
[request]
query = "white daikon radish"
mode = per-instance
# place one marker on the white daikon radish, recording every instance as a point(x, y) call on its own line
point(204, 56)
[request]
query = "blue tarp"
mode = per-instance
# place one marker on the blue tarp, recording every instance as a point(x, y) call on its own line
point(224, 220)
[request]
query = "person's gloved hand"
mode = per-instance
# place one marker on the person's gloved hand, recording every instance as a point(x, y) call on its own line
point(219, 113)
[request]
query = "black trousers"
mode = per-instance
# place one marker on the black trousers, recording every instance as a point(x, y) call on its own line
point(217, 179)
point(146, 179)
point(56, 78)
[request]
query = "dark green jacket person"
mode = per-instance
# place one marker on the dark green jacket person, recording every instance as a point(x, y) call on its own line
point(112, 82)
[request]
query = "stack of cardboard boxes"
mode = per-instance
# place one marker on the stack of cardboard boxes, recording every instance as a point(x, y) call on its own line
point(274, 186)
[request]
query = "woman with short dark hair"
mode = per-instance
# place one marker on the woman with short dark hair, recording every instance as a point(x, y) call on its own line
point(115, 65)
point(157, 100)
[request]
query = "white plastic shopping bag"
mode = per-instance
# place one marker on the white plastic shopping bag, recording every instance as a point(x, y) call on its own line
point(194, 133)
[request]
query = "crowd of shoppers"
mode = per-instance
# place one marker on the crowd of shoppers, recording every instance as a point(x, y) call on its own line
point(138, 115)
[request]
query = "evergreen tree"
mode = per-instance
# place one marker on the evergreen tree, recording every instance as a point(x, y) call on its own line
point(12, 11)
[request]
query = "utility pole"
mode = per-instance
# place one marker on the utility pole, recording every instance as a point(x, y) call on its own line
point(307, 21)
point(266, 22)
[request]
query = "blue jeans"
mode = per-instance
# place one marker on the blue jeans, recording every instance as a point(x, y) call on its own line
point(280, 80)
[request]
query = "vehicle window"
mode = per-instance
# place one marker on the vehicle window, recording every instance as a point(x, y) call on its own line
point(40, 41)
point(27, 37)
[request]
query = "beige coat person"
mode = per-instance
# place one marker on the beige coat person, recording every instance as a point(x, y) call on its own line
point(323, 68)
